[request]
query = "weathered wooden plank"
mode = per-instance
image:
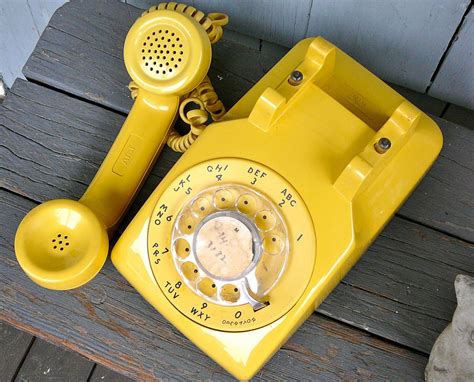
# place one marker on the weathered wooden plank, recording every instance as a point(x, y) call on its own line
point(14, 345)
point(46, 133)
point(104, 374)
point(67, 150)
point(87, 52)
point(41, 166)
point(426, 103)
point(75, 55)
point(454, 81)
point(444, 198)
point(21, 24)
point(280, 21)
point(390, 37)
point(107, 321)
point(460, 116)
point(403, 287)
point(47, 362)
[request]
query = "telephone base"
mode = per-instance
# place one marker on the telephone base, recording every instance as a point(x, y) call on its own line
point(340, 151)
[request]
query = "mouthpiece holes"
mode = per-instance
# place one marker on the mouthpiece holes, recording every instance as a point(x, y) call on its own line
point(167, 63)
point(59, 242)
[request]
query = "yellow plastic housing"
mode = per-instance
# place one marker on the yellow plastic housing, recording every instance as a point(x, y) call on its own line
point(52, 251)
point(319, 135)
point(167, 54)
point(301, 239)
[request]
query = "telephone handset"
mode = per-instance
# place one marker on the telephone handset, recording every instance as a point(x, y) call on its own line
point(266, 212)
point(62, 244)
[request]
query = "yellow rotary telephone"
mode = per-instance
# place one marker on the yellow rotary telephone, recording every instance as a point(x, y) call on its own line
point(268, 210)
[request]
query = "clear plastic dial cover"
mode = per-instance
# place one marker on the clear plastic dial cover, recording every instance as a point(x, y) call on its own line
point(230, 245)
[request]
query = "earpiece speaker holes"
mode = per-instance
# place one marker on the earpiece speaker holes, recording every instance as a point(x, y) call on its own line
point(170, 38)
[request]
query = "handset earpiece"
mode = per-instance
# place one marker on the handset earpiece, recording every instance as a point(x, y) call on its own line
point(167, 54)
point(62, 244)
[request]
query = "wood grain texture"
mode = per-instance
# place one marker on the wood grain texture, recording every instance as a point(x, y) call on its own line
point(21, 24)
point(455, 80)
point(460, 116)
point(52, 145)
point(403, 287)
point(103, 374)
point(432, 203)
point(81, 50)
point(75, 55)
point(401, 41)
point(444, 198)
point(70, 58)
point(106, 320)
point(279, 21)
point(47, 362)
point(14, 345)
point(102, 27)
point(424, 102)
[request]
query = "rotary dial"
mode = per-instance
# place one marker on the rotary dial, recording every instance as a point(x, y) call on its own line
point(230, 245)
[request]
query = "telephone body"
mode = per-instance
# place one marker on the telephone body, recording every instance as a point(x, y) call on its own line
point(268, 210)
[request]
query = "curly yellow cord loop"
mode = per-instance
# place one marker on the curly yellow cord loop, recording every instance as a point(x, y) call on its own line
point(211, 23)
point(185, 103)
point(204, 94)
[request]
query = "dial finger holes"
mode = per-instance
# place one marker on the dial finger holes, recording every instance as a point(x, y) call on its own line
point(182, 248)
point(223, 199)
point(273, 244)
point(206, 286)
point(190, 271)
point(220, 237)
point(247, 204)
point(187, 224)
point(265, 220)
point(201, 207)
point(230, 293)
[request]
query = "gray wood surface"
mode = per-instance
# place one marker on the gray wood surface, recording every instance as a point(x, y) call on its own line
point(460, 116)
point(97, 30)
point(280, 21)
point(444, 198)
point(107, 321)
point(104, 374)
point(21, 24)
point(47, 362)
point(401, 41)
point(99, 75)
point(14, 344)
point(426, 103)
point(53, 145)
point(455, 79)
